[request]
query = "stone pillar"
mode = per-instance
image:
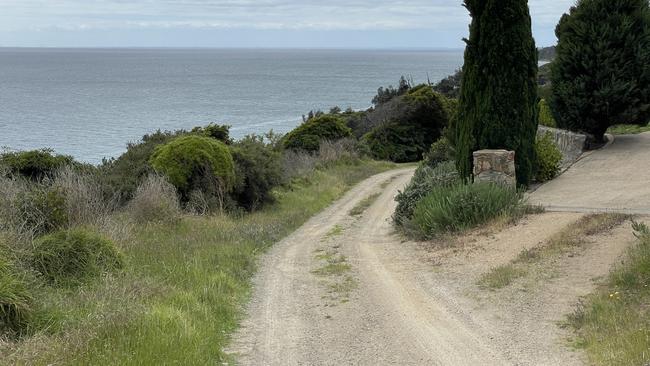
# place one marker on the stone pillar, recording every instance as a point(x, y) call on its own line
point(497, 166)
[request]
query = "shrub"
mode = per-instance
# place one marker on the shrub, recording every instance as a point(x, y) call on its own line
point(408, 125)
point(450, 86)
point(545, 115)
point(426, 178)
point(155, 201)
point(71, 257)
point(498, 96)
point(122, 176)
point(548, 158)
point(309, 135)
point(35, 164)
point(39, 209)
point(297, 164)
point(15, 299)
point(344, 151)
point(194, 162)
point(217, 132)
point(439, 152)
point(600, 74)
point(257, 170)
point(461, 206)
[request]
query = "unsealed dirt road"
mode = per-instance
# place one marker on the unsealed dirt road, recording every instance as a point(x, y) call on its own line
point(346, 290)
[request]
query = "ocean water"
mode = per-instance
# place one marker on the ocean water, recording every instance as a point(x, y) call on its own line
point(90, 102)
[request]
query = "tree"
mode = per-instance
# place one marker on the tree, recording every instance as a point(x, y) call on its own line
point(601, 75)
point(498, 99)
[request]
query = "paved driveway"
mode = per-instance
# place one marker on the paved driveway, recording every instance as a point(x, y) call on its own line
point(616, 178)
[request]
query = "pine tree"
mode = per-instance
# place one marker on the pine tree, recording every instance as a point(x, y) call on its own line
point(601, 75)
point(498, 102)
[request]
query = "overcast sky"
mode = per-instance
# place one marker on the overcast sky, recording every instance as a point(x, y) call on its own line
point(250, 23)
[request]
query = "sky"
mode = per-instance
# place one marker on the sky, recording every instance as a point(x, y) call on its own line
point(251, 23)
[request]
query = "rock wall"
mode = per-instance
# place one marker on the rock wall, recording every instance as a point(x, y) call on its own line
point(497, 166)
point(571, 144)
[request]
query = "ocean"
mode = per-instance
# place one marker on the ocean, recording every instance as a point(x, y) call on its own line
point(89, 103)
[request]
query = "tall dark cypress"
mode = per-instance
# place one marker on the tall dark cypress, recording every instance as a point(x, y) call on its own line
point(498, 102)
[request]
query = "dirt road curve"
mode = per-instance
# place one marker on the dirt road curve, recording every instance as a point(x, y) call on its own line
point(612, 179)
point(401, 304)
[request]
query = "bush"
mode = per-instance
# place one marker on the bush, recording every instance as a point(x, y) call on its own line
point(426, 178)
point(600, 74)
point(36, 164)
point(545, 115)
point(549, 158)
point(15, 300)
point(309, 135)
point(72, 257)
point(461, 206)
point(122, 176)
point(155, 201)
point(39, 209)
point(194, 162)
point(408, 125)
point(257, 170)
point(217, 132)
point(439, 152)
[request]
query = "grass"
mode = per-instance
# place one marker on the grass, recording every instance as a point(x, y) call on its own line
point(613, 325)
point(336, 264)
point(363, 205)
point(182, 289)
point(336, 275)
point(628, 129)
point(569, 239)
point(335, 231)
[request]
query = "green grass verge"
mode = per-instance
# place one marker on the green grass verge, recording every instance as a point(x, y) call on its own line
point(570, 238)
point(613, 325)
point(183, 288)
point(628, 129)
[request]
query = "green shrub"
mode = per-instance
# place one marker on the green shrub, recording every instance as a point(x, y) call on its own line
point(217, 132)
point(35, 164)
point(439, 152)
point(15, 299)
point(309, 135)
point(426, 178)
point(39, 209)
point(71, 257)
point(545, 115)
point(462, 206)
point(122, 176)
point(549, 158)
point(258, 170)
point(406, 126)
point(194, 162)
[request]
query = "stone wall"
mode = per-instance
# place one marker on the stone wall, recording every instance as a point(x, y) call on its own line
point(571, 144)
point(497, 166)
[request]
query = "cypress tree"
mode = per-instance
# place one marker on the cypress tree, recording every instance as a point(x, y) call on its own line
point(601, 74)
point(498, 102)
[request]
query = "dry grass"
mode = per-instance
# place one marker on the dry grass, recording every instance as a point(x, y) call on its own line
point(155, 201)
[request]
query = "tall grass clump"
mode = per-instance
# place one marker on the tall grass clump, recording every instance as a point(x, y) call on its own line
point(613, 324)
point(15, 299)
point(462, 206)
point(72, 257)
point(155, 201)
point(84, 200)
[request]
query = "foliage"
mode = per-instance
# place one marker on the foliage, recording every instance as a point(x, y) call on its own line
point(628, 129)
point(549, 158)
point(450, 86)
point(413, 122)
point(215, 131)
point(195, 162)
point(426, 178)
point(258, 170)
point(310, 134)
point(384, 95)
point(545, 115)
point(546, 53)
point(155, 201)
point(15, 299)
point(498, 101)
point(462, 206)
point(35, 164)
point(440, 151)
point(613, 325)
point(39, 209)
point(600, 75)
point(123, 175)
point(74, 256)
